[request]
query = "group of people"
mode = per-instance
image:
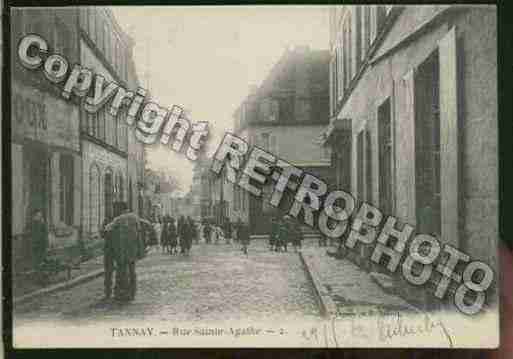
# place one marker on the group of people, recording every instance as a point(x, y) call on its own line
point(177, 235)
point(213, 233)
point(284, 231)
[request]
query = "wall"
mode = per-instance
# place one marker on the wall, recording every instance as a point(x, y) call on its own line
point(477, 123)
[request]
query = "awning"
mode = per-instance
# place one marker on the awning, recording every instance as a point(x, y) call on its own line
point(336, 125)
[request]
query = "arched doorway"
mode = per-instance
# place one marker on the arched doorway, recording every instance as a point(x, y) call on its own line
point(94, 199)
point(108, 190)
point(120, 195)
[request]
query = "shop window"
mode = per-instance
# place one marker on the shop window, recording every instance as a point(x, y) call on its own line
point(66, 189)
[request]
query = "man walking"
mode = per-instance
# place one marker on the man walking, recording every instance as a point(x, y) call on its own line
point(243, 234)
point(127, 248)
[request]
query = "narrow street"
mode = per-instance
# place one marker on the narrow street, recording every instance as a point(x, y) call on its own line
point(217, 282)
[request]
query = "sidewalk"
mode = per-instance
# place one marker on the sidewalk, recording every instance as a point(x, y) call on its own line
point(24, 289)
point(342, 287)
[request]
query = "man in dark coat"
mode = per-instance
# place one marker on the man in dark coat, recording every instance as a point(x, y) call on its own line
point(38, 232)
point(207, 231)
point(127, 247)
point(243, 234)
point(171, 234)
point(283, 235)
point(190, 232)
point(273, 236)
point(182, 232)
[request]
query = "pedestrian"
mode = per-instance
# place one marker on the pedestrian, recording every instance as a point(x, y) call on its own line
point(273, 236)
point(127, 248)
point(172, 236)
point(296, 235)
point(38, 232)
point(182, 233)
point(189, 234)
point(207, 231)
point(283, 235)
point(193, 230)
point(164, 244)
point(150, 233)
point(244, 236)
point(227, 231)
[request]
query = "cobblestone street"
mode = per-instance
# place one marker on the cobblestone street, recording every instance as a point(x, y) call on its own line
point(217, 282)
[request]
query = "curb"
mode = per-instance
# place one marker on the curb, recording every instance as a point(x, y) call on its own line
point(60, 286)
point(328, 307)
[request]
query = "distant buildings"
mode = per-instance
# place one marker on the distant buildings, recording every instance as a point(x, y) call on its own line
point(285, 115)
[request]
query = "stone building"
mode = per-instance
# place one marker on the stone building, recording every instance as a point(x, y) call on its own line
point(113, 160)
point(414, 118)
point(45, 137)
point(286, 115)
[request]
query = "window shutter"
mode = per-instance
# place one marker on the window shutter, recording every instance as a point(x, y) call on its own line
point(405, 159)
point(449, 176)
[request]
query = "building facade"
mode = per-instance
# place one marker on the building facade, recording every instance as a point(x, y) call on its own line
point(413, 104)
point(45, 141)
point(113, 161)
point(285, 116)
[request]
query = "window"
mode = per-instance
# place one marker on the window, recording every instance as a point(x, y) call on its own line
point(273, 145)
point(94, 199)
point(427, 145)
point(286, 111)
point(360, 165)
point(101, 124)
point(341, 75)
point(66, 189)
point(357, 39)
point(91, 23)
point(84, 19)
point(303, 109)
point(381, 14)
point(264, 141)
point(62, 38)
point(120, 190)
point(385, 157)
point(106, 43)
point(116, 56)
point(266, 110)
point(108, 192)
point(366, 29)
point(368, 167)
point(99, 32)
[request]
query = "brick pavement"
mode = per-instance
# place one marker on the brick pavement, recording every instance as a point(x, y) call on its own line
point(217, 282)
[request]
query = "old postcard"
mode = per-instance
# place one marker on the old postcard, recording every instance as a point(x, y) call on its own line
point(254, 176)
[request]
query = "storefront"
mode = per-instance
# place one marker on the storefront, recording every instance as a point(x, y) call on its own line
point(46, 168)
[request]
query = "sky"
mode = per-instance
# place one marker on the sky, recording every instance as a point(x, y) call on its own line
point(206, 58)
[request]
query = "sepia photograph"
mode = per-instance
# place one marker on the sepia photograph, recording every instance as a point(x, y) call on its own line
point(254, 176)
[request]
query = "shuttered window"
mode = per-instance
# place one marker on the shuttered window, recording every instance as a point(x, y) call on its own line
point(385, 157)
